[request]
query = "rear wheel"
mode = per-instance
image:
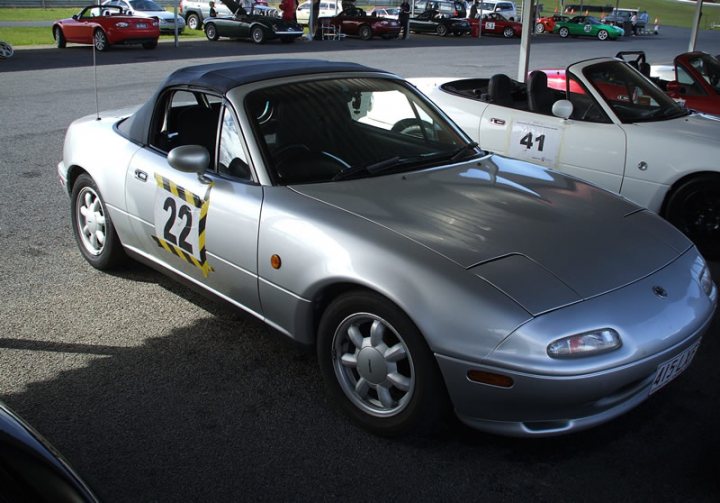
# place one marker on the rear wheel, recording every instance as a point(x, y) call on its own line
point(211, 32)
point(59, 37)
point(193, 21)
point(564, 32)
point(602, 35)
point(539, 28)
point(92, 226)
point(508, 32)
point(258, 35)
point(100, 41)
point(377, 366)
point(365, 32)
point(441, 30)
point(694, 208)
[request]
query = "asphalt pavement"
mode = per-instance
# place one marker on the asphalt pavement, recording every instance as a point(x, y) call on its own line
point(156, 393)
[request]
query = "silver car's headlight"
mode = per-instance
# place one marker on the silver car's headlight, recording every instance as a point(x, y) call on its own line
point(585, 344)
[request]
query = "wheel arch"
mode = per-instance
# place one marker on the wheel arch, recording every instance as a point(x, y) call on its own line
point(73, 173)
point(682, 181)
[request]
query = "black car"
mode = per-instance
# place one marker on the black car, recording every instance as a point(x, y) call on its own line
point(432, 22)
point(447, 8)
point(260, 24)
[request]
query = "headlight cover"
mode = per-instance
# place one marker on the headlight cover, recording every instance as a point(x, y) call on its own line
point(703, 276)
point(585, 344)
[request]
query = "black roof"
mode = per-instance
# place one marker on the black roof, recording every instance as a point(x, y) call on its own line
point(221, 77)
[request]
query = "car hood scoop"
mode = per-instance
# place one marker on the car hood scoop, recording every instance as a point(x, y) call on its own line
point(584, 240)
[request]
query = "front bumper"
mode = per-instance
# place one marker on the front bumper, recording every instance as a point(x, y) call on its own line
point(552, 397)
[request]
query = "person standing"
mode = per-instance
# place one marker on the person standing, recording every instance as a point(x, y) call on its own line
point(213, 12)
point(288, 10)
point(404, 18)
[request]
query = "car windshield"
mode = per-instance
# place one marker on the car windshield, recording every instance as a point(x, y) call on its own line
point(709, 68)
point(145, 5)
point(334, 129)
point(632, 97)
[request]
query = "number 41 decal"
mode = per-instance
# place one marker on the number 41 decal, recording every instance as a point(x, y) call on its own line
point(527, 140)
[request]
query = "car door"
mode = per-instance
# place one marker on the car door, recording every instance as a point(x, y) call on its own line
point(201, 227)
point(587, 145)
point(423, 23)
point(80, 29)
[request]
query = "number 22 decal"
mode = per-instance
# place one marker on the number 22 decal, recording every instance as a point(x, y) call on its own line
point(185, 213)
point(527, 140)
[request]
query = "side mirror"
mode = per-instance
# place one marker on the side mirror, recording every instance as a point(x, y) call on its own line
point(562, 109)
point(75, 17)
point(190, 159)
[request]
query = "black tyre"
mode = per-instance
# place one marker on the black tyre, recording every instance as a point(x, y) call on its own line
point(564, 32)
point(258, 35)
point(694, 208)
point(193, 21)
point(100, 41)
point(365, 32)
point(211, 31)
point(377, 366)
point(441, 30)
point(92, 226)
point(59, 37)
point(602, 35)
point(150, 45)
point(539, 28)
point(508, 32)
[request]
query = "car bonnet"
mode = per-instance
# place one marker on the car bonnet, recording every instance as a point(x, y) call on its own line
point(581, 239)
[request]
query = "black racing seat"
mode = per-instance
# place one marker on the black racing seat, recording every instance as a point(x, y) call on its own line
point(500, 90)
point(540, 96)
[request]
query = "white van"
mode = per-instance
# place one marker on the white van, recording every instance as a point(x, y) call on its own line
point(328, 8)
point(507, 9)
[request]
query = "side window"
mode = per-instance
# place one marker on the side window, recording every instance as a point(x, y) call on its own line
point(232, 160)
point(187, 118)
point(692, 88)
point(585, 108)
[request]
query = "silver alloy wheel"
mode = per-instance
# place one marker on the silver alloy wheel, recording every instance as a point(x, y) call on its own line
point(193, 21)
point(90, 216)
point(602, 35)
point(539, 28)
point(257, 34)
point(373, 365)
point(100, 40)
point(508, 32)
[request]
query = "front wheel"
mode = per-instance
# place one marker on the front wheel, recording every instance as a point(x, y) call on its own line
point(92, 226)
point(564, 32)
point(442, 30)
point(694, 208)
point(193, 21)
point(602, 35)
point(539, 28)
point(211, 32)
point(59, 38)
point(508, 32)
point(377, 366)
point(258, 35)
point(100, 41)
point(365, 32)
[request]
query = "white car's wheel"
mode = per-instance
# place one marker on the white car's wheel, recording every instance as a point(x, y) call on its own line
point(92, 226)
point(193, 21)
point(377, 365)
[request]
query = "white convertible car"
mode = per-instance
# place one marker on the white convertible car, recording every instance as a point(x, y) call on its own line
point(603, 121)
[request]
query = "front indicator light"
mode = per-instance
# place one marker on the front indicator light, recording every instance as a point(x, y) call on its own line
point(490, 378)
point(586, 344)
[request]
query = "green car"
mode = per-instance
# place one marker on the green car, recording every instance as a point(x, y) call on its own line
point(587, 26)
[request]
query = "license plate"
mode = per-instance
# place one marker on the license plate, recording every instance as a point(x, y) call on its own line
point(142, 25)
point(673, 368)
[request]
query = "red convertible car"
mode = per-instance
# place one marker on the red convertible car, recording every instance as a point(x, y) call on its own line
point(355, 22)
point(497, 24)
point(547, 24)
point(104, 26)
point(693, 77)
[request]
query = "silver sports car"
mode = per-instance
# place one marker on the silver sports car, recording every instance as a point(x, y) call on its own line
point(340, 206)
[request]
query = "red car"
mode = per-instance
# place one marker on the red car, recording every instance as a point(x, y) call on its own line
point(547, 24)
point(355, 22)
point(693, 77)
point(497, 24)
point(104, 26)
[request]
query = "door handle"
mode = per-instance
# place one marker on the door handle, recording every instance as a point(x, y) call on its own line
point(497, 122)
point(141, 175)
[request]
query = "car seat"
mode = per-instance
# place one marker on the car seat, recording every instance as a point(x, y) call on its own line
point(500, 90)
point(540, 97)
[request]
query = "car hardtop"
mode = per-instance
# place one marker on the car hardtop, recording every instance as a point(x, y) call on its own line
point(222, 77)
